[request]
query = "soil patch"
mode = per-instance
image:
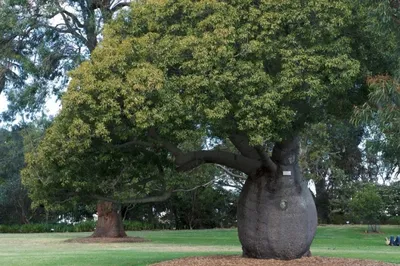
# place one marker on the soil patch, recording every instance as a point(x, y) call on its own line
point(90, 239)
point(237, 260)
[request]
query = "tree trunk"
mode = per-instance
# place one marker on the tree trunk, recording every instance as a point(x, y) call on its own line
point(277, 218)
point(109, 223)
point(322, 202)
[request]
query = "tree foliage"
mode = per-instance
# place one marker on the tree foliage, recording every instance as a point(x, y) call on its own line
point(14, 201)
point(367, 205)
point(170, 72)
point(382, 118)
point(41, 41)
point(252, 75)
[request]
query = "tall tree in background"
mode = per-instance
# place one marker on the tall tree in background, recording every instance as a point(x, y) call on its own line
point(15, 204)
point(249, 73)
point(13, 197)
point(380, 115)
point(331, 157)
point(41, 41)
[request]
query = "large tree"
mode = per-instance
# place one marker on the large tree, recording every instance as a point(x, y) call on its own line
point(66, 173)
point(248, 73)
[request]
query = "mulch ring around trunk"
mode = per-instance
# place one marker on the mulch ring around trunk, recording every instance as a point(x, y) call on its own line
point(237, 260)
point(90, 239)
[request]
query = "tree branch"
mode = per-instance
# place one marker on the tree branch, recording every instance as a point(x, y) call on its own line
point(148, 199)
point(173, 149)
point(191, 160)
point(119, 5)
point(226, 170)
point(135, 142)
point(266, 160)
point(72, 16)
point(196, 187)
point(68, 25)
point(241, 142)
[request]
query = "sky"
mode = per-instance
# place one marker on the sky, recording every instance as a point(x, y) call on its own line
point(51, 109)
point(3, 103)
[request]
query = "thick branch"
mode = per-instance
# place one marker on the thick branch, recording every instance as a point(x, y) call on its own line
point(186, 161)
point(266, 160)
point(242, 144)
point(70, 29)
point(73, 17)
point(173, 149)
point(135, 142)
point(191, 160)
point(148, 199)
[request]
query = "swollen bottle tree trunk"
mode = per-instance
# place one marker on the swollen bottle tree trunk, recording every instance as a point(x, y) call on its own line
point(109, 223)
point(277, 218)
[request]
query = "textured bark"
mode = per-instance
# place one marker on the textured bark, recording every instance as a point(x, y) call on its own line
point(277, 218)
point(109, 223)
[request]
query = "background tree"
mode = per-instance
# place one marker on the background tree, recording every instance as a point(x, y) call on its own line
point(367, 206)
point(330, 156)
point(83, 175)
point(63, 173)
point(391, 200)
point(380, 114)
point(249, 73)
point(207, 207)
point(41, 41)
point(14, 201)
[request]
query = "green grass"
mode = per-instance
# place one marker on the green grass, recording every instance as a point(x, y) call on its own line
point(49, 249)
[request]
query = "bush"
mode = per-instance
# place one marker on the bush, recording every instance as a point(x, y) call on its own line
point(87, 226)
point(394, 220)
point(138, 226)
point(337, 218)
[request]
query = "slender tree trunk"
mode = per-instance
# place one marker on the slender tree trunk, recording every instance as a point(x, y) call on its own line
point(322, 202)
point(109, 223)
point(277, 218)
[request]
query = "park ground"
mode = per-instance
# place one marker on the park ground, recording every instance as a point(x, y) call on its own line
point(51, 249)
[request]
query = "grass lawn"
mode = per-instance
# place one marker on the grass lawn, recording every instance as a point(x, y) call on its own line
point(49, 249)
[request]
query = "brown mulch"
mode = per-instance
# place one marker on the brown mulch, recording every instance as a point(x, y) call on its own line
point(237, 260)
point(89, 239)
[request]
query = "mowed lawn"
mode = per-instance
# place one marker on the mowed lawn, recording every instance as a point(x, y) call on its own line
point(50, 249)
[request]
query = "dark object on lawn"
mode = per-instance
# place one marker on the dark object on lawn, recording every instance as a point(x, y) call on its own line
point(394, 242)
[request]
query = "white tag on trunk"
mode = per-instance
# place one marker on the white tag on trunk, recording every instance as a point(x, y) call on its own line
point(287, 173)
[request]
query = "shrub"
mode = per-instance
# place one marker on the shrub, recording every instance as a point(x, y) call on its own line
point(395, 220)
point(138, 226)
point(86, 226)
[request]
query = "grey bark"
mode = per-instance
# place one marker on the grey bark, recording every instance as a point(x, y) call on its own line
point(277, 218)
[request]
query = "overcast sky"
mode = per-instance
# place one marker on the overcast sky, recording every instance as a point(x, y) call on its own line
point(51, 109)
